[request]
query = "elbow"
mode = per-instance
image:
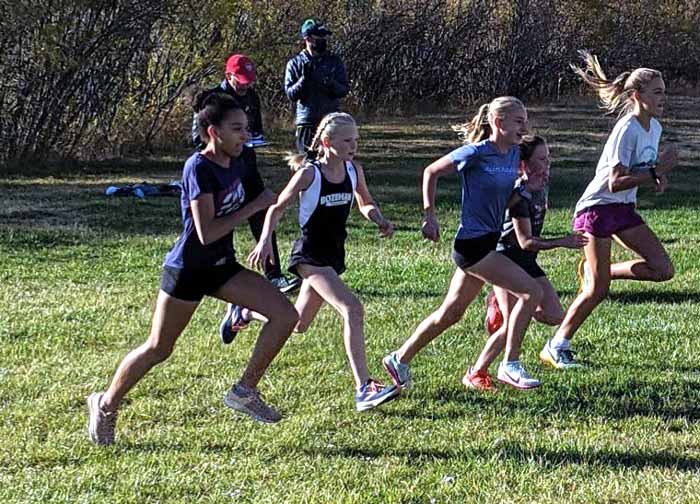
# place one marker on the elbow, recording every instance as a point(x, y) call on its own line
point(529, 246)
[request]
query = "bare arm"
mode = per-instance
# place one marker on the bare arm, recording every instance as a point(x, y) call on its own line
point(523, 232)
point(621, 178)
point(211, 228)
point(435, 170)
point(300, 181)
point(368, 207)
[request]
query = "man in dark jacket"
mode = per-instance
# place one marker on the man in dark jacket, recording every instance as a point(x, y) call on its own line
point(315, 79)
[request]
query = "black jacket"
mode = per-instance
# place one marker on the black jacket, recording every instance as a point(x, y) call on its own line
point(250, 103)
point(316, 84)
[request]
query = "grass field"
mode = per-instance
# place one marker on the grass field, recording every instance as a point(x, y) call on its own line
point(79, 274)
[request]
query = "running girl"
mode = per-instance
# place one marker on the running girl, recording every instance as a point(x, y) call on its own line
point(520, 241)
point(488, 167)
point(607, 208)
point(326, 189)
point(202, 262)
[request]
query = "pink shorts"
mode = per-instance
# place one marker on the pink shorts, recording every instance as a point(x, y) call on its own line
point(603, 221)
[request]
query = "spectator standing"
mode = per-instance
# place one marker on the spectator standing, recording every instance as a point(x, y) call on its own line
point(315, 80)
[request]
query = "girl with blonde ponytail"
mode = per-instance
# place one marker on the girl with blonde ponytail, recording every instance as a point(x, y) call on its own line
point(327, 180)
point(488, 167)
point(630, 158)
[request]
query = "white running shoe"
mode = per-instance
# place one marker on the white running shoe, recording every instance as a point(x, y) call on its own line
point(515, 375)
point(400, 373)
point(101, 423)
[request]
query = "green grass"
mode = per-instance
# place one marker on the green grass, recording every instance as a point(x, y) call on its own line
point(78, 277)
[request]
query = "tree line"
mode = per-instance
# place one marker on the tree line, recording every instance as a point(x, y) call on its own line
point(104, 77)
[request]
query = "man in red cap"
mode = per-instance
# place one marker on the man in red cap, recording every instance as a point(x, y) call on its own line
point(239, 82)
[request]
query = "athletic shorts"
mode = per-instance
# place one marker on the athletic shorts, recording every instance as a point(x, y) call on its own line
point(303, 252)
point(603, 221)
point(194, 284)
point(526, 260)
point(466, 253)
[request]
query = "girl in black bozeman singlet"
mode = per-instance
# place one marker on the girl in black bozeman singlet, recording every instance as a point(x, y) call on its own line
point(327, 188)
point(324, 208)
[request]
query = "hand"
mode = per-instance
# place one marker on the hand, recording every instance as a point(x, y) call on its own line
point(261, 254)
point(430, 228)
point(661, 184)
point(668, 158)
point(386, 228)
point(309, 72)
point(574, 241)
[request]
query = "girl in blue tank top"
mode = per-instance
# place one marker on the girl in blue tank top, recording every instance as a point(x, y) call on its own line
point(488, 168)
point(327, 187)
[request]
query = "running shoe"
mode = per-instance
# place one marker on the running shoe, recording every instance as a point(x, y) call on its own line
point(373, 393)
point(479, 380)
point(232, 323)
point(400, 373)
point(494, 316)
point(248, 401)
point(286, 285)
point(101, 423)
point(515, 375)
point(558, 358)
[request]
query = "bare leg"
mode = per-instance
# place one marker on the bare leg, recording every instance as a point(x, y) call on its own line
point(497, 341)
point(327, 285)
point(170, 318)
point(464, 287)
point(502, 272)
point(597, 252)
point(252, 290)
point(549, 311)
point(308, 304)
point(654, 265)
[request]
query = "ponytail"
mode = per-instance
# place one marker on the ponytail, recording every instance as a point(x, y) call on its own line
point(480, 126)
point(614, 95)
point(326, 128)
point(477, 129)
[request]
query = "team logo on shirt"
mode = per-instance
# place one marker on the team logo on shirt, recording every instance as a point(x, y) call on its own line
point(648, 153)
point(506, 169)
point(233, 198)
point(336, 199)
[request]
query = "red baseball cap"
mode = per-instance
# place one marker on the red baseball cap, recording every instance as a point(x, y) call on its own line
point(242, 68)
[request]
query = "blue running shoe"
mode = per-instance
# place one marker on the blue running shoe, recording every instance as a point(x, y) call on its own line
point(232, 323)
point(372, 394)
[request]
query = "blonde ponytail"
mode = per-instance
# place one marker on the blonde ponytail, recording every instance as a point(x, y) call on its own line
point(477, 129)
point(614, 95)
point(326, 128)
point(480, 126)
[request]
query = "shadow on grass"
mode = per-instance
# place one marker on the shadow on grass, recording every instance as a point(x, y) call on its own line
point(657, 297)
point(511, 451)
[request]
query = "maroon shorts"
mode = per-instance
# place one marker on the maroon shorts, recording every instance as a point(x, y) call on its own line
point(603, 221)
